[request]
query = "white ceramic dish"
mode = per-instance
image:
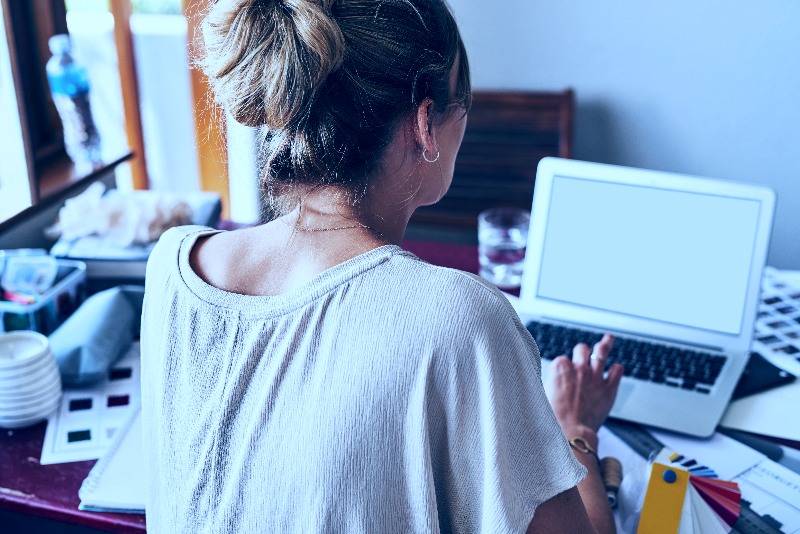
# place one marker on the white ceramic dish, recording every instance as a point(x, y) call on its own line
point(29, 368)
point(26, 386)
point(17, 348)
point(32, 393)
point(30, 383)
point(54, 388)
point(51, 391)
point(34, 407)
point(28, 419)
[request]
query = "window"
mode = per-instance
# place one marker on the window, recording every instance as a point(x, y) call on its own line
point(30, 25)
point(36, 145)
point(15, 190)
point(127, 91)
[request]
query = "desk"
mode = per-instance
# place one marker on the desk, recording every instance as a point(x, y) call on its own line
point(51, 492)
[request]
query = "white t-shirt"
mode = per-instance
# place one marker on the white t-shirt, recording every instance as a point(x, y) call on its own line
point(385, 395)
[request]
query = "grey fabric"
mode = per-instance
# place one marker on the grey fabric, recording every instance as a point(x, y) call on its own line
point(385, 395)
point(94, 337)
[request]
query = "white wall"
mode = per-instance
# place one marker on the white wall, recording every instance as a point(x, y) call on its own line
point(706, 87)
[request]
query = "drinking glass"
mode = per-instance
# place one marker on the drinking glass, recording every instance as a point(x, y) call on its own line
point(502, 239)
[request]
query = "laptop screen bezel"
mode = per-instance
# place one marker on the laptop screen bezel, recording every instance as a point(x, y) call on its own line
point(534, 305)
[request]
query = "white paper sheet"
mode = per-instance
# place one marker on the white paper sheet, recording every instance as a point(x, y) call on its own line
point(773, 490)
point(771, 413)
point(83, 427)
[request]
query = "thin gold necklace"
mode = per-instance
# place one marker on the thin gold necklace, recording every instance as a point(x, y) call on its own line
point(310, 229)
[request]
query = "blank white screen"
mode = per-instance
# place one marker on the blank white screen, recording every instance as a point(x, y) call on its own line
point(671, 256)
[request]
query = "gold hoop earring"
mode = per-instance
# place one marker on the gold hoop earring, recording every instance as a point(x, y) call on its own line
point(425, 157)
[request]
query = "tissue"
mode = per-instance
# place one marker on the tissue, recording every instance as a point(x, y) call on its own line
point(122, 219)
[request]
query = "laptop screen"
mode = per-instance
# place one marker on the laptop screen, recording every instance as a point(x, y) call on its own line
point(673, 256)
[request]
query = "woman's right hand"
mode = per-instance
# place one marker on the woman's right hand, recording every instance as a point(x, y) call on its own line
point(580, 393)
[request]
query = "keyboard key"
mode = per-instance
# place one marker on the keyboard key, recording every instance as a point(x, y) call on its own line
point(660, 364)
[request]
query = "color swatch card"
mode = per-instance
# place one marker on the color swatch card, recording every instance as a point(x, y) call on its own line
point(84, 425)
point(770, 489)
point(685, 497)
point(777, 335)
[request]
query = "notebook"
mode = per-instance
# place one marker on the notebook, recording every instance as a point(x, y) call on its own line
point(671, 264)
point(116, 483)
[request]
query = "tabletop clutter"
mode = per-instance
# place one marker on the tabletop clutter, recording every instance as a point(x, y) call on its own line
point(30, 384)
point(78, 353)
point(51, 331)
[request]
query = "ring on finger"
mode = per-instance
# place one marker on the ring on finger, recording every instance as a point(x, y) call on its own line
point(596, 357)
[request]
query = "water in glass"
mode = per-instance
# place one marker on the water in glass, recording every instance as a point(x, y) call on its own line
point(502, 239)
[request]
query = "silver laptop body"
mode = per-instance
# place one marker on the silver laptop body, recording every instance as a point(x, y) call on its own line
point(665, 258)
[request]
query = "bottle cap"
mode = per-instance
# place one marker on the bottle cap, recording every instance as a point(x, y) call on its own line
point(59, 44)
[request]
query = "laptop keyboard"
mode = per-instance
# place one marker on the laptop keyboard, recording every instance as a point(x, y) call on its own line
point(660, 364)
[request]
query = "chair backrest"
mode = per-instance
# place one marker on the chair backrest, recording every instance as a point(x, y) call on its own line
point(507, 133)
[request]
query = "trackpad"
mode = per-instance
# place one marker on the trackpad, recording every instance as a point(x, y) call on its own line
point(623, 394)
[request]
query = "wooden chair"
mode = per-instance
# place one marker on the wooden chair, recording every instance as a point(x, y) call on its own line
point(507, 134)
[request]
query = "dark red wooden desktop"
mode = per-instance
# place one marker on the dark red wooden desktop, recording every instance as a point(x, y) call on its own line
point(51, 491)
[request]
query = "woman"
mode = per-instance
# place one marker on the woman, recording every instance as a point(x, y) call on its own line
point(308, 375)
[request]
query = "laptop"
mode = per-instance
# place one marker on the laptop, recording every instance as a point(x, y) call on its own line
point(671, 264)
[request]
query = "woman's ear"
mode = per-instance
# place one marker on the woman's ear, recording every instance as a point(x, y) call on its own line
point(423, 127)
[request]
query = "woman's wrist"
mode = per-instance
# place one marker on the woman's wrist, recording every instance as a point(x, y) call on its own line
point(581, 433)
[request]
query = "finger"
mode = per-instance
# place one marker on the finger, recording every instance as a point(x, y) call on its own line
point(600, 353)
point(598, 363)
point(614, 378)
point(560, 375)
point(563, 367)
point(580, 354)
point(603, 347)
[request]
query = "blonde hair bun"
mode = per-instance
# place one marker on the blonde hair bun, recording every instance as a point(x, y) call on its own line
point(330, 81)
point(266, 59)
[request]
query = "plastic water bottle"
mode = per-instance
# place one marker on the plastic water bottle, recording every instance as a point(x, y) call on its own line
point(69, 85)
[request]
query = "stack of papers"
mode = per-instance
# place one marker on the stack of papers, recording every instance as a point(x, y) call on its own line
point(117, 481)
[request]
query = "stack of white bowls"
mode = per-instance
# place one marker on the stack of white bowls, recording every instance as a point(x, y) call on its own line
point(30, 384)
